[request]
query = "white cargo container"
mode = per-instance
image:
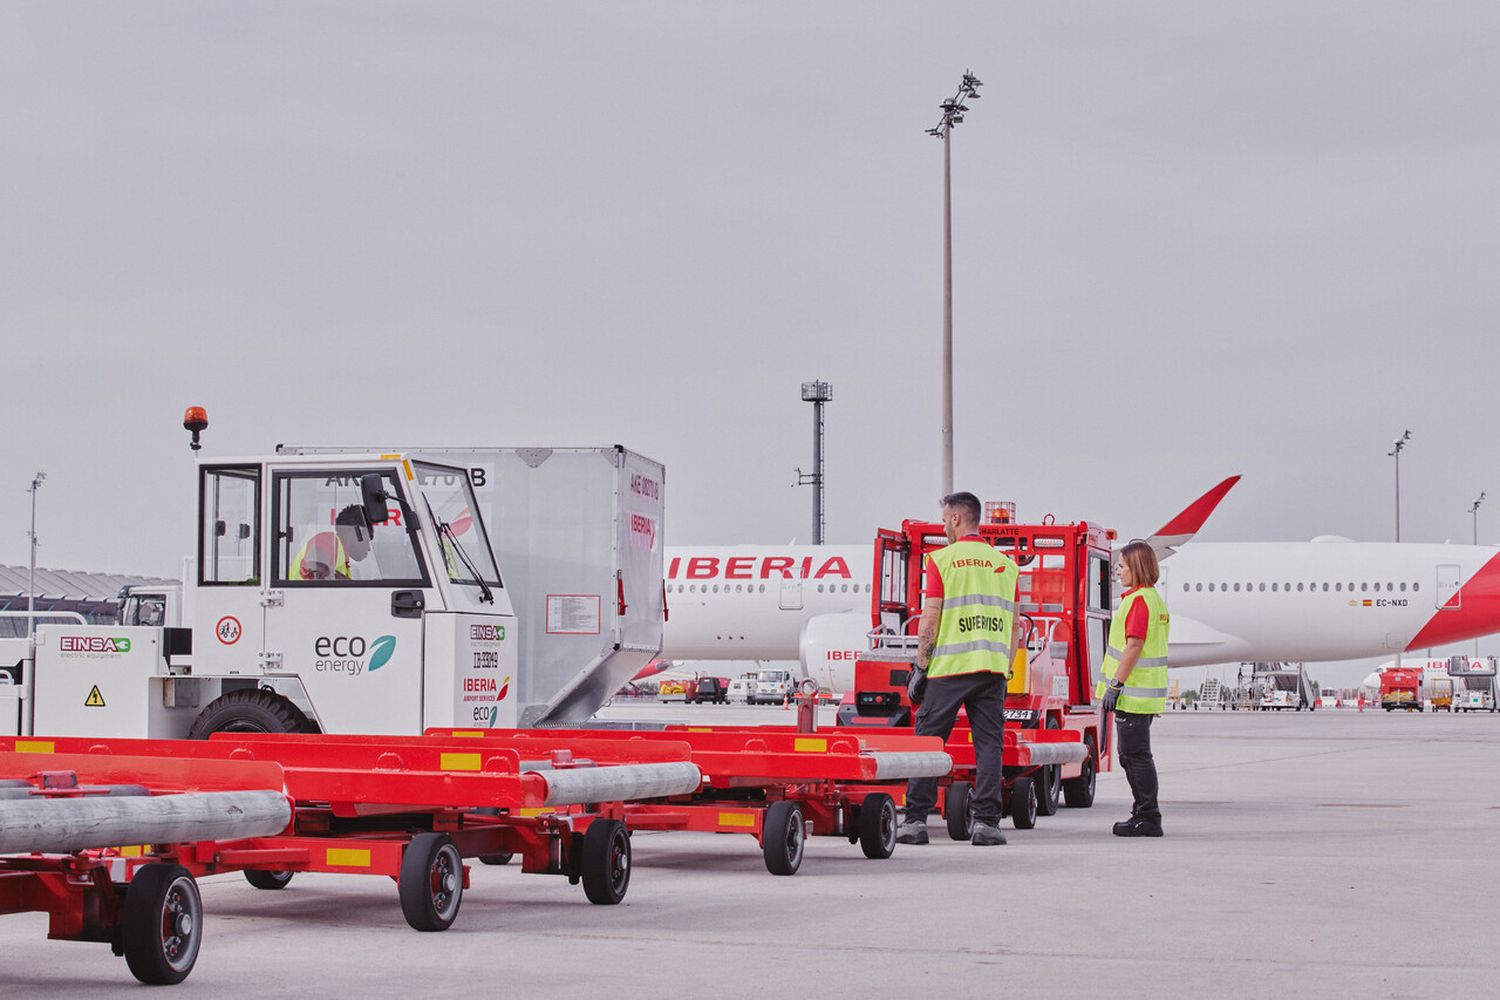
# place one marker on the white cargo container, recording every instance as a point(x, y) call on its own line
point(577, 533)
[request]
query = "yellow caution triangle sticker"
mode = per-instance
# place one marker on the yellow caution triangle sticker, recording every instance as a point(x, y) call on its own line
point(95, 699)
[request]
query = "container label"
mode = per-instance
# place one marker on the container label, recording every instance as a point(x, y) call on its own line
point(573, 614)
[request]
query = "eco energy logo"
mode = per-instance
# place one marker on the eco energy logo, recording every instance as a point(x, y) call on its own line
point(352, 654)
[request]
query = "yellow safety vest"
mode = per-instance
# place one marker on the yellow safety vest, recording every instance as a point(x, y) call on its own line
point(979, 610)
point(340, 563)
point(1145, 693)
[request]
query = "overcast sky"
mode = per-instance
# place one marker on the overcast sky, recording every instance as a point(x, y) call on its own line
point(1190, 240)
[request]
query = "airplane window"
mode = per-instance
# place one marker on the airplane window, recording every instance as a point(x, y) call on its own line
point(1210, 588)
point(739, 588)
point(1236, 588)
point(1416, 586)
point(1224, 587)
point(1299, 588)
point(1403, 588)
point(1262, 587)
point(820, 588)
point(1364, 587)
point(716, 588)
point(762, 588)
point(1286, 587)
point(1200, 587)
point(1389, 586)
point(1325, 588)
point(1274, 587)
point(1338, 586)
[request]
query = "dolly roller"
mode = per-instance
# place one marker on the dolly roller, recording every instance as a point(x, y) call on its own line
point(62, 825)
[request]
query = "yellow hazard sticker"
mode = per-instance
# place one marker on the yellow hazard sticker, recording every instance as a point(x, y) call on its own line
point(532, 811)
point(738, 819)
point(347, 857)
point(458, 762)
point(467, 734)
point(700, 729)
point(810, 744)
point(35, 746)
point(95, 699)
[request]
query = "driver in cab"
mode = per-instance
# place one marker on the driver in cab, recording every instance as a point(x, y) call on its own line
point(328, 554)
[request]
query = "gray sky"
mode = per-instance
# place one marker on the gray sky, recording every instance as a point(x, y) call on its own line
point(536, 224)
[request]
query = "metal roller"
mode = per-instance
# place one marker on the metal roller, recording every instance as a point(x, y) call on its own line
point(59, 826)
point(912, 764)
point(1056, 753)
point(621, 783)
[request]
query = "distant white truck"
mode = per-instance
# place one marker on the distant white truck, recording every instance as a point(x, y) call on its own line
point(773, 687)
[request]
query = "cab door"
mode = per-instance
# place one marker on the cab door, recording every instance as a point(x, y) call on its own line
point(345, 614)
point(228, 618)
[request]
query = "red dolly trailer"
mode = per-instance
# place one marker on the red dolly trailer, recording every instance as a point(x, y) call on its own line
point(1055, 737)
point(408, 808)
point(777, 785)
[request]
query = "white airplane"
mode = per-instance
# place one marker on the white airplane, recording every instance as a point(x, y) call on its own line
point(1328, 599)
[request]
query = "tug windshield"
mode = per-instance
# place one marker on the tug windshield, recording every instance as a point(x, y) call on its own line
point(465, 544)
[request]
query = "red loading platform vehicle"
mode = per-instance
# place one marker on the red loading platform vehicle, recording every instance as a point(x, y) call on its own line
point(1056, 739)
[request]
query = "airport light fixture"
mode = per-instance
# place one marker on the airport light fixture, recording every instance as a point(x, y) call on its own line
point(36, 484)
point(817, 393)
point(1474, 512)
point(1395, 453)
point(953, 110)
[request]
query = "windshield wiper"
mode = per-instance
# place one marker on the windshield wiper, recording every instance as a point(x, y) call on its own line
point(446, 530)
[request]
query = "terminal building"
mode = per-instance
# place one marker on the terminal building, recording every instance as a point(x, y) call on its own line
point(95, 596)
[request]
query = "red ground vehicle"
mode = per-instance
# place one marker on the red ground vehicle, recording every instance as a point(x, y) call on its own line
point(1055, 744)
point(1401, 687)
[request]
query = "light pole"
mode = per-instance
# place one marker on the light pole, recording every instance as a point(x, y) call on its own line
point(36, 484)
point(816, 393)
point(1474, 511)
point(1395, 453)
point(953, 113)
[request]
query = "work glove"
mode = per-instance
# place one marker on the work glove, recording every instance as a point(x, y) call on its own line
point(917, 685)
point(1111, 695)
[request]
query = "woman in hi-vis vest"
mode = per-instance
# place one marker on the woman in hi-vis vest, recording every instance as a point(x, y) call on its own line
point(1134, 682)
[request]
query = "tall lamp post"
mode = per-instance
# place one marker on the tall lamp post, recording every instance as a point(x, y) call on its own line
point(1395, 453)
point(36, 484)
point(1474, 512)
point(953, 112)
point(816, 393)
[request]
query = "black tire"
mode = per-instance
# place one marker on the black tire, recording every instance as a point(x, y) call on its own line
point(606, 862)
point(162, 924)
point(268, 880)
point(431, 884)
point(250, 711)
point(496, 859)
point(1078, 792)
point(782, 838)
point(1049, 782)
point(877, 826)
point(958, 810)
point(1023, 803)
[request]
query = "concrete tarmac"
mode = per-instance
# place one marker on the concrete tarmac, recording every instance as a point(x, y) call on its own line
point(1335, 854)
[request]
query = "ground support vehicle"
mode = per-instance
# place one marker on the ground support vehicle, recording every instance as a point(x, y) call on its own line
point(410, 808)
point(1401, 687)
point(776, 784)
point(711, 690)
point(773, 687)
point(1474, 684)
point(1056, 738)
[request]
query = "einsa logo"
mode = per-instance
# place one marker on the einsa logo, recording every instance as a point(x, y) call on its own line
point(92, 644)
point(352, 654)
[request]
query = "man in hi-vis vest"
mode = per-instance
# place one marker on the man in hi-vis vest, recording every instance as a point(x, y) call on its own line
point(964, 650)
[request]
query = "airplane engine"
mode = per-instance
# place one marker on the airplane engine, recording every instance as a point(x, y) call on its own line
point(828, 647)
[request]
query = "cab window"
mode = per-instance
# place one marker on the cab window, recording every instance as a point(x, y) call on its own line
point(229, 526)
point(322, 537)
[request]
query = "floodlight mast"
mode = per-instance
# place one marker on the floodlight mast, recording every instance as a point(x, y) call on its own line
point(953, 113)
point(817, 393)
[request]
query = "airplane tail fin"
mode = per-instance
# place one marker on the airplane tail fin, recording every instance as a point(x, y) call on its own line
point(1184, 526)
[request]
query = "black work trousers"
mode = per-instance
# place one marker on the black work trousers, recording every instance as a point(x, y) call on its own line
point(1133, 733)
point(983, 696)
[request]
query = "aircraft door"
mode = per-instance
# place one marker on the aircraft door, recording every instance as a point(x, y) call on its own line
point(1449, 582)
point(791, 594)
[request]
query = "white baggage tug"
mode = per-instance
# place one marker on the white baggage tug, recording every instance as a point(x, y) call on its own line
point(349, 593)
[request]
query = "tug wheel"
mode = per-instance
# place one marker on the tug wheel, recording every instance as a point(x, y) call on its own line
point(958, 810)
point(431, 884)
point(1023, 803)
point(162, 926)
point(268, 880)
point(1078, 792)
point(250, 711)
point(877, 826)
point(1049, 782)
point(782, 838)
point(606, 862)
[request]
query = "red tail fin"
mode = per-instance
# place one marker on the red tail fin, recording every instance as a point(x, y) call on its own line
point(1186, 524)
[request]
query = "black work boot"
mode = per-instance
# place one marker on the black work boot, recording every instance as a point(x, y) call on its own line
point(1138, 827)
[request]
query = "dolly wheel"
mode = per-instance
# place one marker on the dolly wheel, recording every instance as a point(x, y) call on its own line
point(1079, 792)
point(606, 862)
point(958, 810)
point(268, 880)
point(877, 826)
point(1049, 782)
point(782, 838)
point(503, 858)
point(1023, 803)
point(162, 924)
point(432, 882)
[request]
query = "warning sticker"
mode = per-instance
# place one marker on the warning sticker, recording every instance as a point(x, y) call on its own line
point(95, 699)
point(572, 614)
point(228, 630)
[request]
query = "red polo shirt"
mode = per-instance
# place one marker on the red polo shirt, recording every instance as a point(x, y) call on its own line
point(1137, 619)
